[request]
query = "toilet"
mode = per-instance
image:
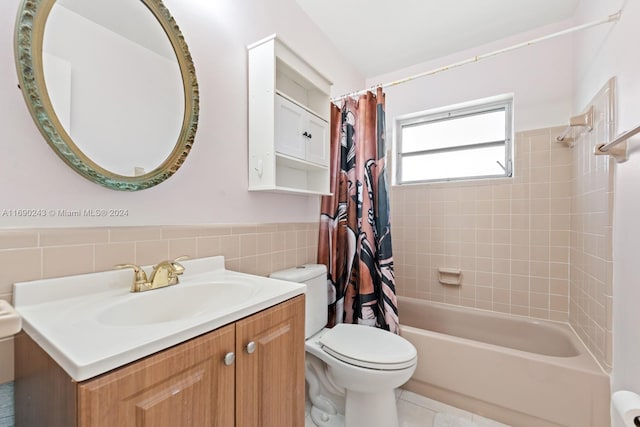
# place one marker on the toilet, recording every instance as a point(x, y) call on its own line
point(351, 370)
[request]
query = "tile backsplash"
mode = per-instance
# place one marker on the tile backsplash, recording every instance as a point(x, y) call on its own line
point(510, 237)
point(31, 254)
point(251, 248)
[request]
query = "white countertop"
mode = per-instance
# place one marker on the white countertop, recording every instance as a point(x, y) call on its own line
point(64, 315)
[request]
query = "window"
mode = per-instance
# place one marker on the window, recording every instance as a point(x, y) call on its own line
point(464, 143)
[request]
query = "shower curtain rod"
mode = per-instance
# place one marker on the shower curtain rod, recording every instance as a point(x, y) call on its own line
point(611, 18)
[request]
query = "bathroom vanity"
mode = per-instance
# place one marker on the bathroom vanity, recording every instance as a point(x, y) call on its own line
point(244, 370)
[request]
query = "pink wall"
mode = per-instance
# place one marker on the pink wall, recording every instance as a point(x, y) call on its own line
point(211, 187)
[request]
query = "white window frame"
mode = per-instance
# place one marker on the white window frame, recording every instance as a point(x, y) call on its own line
point(453, 112)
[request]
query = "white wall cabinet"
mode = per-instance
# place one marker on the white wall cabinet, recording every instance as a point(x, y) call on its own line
point(288, 121)
point(300, 134)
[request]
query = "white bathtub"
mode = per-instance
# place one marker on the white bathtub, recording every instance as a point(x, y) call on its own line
point(513, 369)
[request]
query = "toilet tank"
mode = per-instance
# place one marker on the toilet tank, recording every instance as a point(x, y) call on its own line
point(316, 297)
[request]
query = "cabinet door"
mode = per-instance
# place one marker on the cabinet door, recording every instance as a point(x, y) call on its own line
point(317, 150)
point(186, 385)
point(270, 378)
point(289, 128)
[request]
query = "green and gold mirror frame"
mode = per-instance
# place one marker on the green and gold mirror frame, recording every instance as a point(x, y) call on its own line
point(32, 17)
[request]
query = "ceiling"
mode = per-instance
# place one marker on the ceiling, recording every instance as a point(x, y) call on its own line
point(380, 36)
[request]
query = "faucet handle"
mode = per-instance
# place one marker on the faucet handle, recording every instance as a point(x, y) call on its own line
point(177, 267)
point(139, 276)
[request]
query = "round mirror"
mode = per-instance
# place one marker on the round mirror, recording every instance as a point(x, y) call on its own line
point(111, 85)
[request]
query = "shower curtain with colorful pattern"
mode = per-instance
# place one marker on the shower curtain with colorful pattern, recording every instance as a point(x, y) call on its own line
point(355, 234)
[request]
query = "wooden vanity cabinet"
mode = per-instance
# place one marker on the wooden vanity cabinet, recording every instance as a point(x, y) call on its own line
point(186, 385)
point(270, 380)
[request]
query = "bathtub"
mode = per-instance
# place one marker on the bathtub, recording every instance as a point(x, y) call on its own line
point(516, 370)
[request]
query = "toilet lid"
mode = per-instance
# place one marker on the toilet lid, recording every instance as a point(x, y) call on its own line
point(368, 347)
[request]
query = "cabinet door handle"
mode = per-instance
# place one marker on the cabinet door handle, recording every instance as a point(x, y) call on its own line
point(309, 136)
point(251, 347)
point(229, 358)
point(306, 134)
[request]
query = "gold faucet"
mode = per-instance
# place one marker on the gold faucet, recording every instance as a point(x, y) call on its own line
point(164, 274)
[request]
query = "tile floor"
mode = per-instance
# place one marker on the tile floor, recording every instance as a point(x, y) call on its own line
point(6, 405)
point(418, 411)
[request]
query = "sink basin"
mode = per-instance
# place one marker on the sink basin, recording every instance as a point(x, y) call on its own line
point(91, 324)
point(175, 303)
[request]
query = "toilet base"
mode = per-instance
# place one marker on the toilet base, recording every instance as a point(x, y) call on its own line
point(371, 409)
point(323, 419)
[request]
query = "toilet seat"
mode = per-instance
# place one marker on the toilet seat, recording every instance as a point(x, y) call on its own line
point(368, 347)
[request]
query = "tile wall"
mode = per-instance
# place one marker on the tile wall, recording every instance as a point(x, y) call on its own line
point(591, 232)
point(510, 237)
point(31, 254)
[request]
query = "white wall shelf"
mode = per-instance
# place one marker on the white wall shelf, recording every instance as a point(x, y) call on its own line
point(288, 121)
